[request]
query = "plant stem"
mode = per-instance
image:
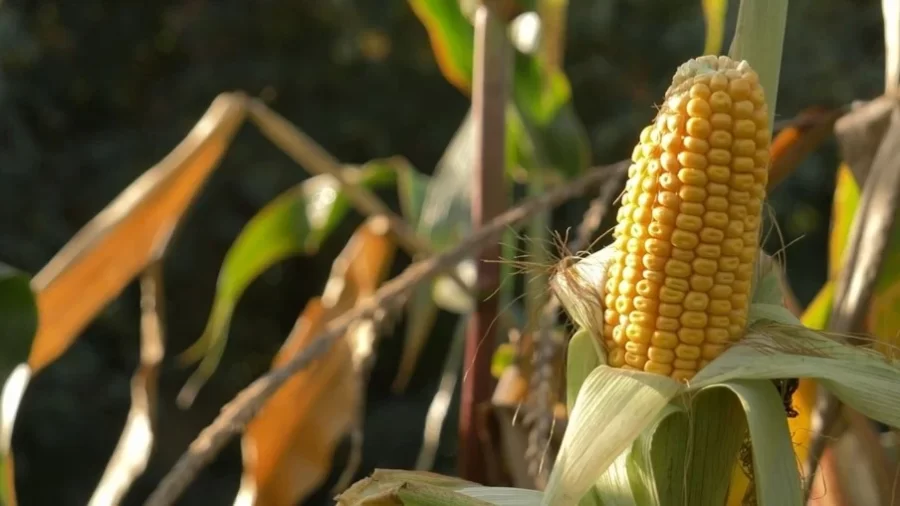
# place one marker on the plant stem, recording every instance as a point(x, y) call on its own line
point(489, 99)
point(553, 31)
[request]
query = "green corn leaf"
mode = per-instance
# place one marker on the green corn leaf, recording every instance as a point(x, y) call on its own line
point(411, 188)
point(18, 317)
point(296, 222)
point(438, 208)
point(452, 38)
point(445, 216)
point(18, 321)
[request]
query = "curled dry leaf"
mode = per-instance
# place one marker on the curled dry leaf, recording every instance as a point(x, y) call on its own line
point(289, 445)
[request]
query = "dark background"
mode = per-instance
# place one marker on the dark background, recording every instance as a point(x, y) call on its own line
point(94, 92)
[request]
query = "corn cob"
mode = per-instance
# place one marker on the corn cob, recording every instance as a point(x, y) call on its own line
point(678, 288)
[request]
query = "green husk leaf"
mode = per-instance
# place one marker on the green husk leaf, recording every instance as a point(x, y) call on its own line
point(716, 433)
point(774, 463)
point(777, 346)
point(651, 469)
point(614, 488)
point(612, 408)
point(584, 355)
point(657, 461)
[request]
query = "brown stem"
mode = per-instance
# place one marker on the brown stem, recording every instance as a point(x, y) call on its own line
point(489, 99)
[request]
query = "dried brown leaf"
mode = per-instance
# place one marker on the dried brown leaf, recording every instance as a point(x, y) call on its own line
point(132, 231)
point(795, 142)
point(288, 446)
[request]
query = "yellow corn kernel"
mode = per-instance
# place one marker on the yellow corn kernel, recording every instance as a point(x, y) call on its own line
point(689, 225)
point(658, 368)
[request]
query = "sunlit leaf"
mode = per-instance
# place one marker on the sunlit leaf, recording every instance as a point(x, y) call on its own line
point(128, 234)
point(616, 488)
point(288, 446)
point(296, 222)
point(818, 312)
point(714, 13)
point(846, 201)
point(504, 496)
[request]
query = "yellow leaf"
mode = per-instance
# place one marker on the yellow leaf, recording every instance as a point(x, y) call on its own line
point(846, 200)
point(288, 447)
point(105, 255)
point(714, 12)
